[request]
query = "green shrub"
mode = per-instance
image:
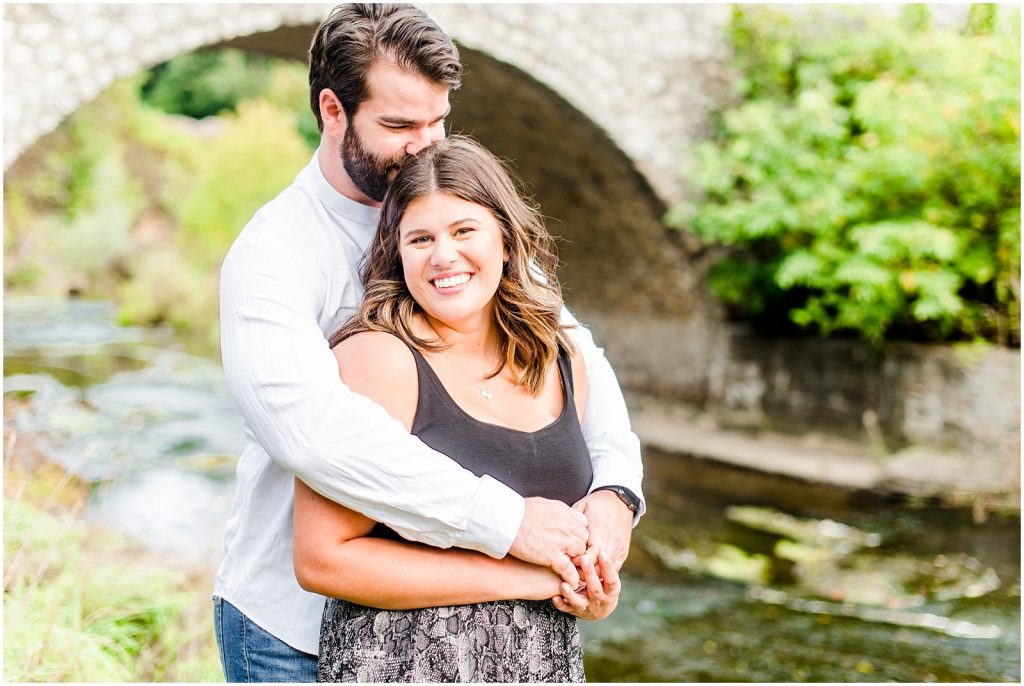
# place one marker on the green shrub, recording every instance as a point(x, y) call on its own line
point(209, 83)
point(288, 88)
point(206, 83)
point(236, 172)
point(868, 181)
point(165, 287)
point(68, 217)
point(80, 207)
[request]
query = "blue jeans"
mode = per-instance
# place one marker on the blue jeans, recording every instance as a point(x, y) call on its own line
point(249, 654)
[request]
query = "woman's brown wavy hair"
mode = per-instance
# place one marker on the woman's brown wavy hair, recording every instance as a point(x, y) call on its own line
point(528, 302)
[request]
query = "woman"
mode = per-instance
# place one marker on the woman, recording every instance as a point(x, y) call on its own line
point(459, 339)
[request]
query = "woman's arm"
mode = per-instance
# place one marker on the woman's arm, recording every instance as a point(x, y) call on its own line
point(332, 554)
point(333, 557)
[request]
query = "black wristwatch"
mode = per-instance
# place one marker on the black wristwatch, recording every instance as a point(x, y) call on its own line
point(627, 496)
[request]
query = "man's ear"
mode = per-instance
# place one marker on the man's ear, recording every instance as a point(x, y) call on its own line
point(332, 113)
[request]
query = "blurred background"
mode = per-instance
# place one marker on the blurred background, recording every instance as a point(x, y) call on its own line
point(794, 229)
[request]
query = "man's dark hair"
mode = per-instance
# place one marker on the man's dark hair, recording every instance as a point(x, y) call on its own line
point(353, 36)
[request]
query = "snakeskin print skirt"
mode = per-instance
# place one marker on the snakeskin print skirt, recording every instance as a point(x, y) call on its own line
point(506, 641)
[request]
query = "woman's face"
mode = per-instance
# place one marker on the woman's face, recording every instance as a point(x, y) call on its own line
point(452, 255)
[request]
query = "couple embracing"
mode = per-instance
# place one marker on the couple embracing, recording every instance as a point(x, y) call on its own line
point(439, 476)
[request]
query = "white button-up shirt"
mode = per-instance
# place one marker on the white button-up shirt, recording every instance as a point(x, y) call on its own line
point(288, 282)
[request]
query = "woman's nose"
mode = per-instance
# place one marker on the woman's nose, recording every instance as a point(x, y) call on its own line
point(444, 253)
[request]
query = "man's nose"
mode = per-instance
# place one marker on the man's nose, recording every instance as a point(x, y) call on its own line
point(424, 137)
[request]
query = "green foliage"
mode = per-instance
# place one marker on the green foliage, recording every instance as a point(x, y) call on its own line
point(82, 605)
point(68, 218)
point(869, 179)
point(212, 82)
point(128, 203)
point(206, 83)
point(288, 89)
point(236, 173)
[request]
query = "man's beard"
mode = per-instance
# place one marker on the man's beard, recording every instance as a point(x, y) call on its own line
point(368, 172)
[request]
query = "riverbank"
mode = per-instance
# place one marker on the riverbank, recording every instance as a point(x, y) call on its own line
point(83, 603)
point(917, 472)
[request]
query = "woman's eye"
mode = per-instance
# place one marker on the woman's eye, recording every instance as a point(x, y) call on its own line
point(462, 230)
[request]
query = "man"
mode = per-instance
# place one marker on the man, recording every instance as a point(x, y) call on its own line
point(379, 82)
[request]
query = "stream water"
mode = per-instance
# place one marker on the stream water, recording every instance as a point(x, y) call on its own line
point(733, 576)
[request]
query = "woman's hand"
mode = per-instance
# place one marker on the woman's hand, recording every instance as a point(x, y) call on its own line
point(531, 582)
point(601, 594)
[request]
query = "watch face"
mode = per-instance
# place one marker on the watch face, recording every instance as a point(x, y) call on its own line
point(631, 502)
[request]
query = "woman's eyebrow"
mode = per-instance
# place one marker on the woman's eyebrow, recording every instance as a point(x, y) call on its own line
point(463, 221)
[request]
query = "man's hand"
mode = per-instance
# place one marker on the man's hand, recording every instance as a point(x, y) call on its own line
point(551, 534)
point(611, 526)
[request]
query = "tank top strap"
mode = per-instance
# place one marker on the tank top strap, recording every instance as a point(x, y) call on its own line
point(565, 367)
point(429, 383)
point(431, 388)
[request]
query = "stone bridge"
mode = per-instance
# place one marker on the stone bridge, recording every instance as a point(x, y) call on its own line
point(597, 105)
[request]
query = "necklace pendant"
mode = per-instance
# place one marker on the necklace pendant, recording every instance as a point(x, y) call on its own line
point(486, 394)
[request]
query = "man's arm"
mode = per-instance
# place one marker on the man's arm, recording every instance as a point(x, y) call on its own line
point(614, 448)
point(614, 451)
point(285, 380)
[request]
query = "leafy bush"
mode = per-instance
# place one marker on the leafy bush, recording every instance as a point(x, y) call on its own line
point(868, 181)
point(236, 173)
point(69, 208)
point(208, 83)
point(127, 203)
point(205, 83)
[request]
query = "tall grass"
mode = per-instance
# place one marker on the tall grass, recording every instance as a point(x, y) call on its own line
point(83, 604)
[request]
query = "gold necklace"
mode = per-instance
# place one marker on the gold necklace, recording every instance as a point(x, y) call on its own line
point(485, 392)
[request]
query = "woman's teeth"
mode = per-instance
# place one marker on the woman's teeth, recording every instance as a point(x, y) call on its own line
point(450, 281)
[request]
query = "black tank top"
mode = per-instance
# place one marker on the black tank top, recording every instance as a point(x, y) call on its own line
point(551, 463)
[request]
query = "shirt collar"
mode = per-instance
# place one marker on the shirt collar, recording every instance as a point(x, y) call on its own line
point(336, 201)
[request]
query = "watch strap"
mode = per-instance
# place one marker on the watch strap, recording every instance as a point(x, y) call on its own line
point(628, 497)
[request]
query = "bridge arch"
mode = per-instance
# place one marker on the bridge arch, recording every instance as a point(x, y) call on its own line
point(597, 105)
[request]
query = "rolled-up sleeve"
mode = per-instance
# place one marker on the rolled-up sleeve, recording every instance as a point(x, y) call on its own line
point(285, 380)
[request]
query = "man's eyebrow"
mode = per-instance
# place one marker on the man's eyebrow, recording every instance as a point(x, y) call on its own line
point(397, 121)
point(402, 121)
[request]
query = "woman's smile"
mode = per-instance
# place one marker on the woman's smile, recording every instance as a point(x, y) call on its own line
point(451, 284)
point(453, 256)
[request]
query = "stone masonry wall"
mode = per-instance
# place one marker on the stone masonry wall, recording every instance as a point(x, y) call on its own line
point(960, 399)
point(638, 71)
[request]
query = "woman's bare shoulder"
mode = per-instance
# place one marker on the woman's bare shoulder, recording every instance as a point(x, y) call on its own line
point(381, 367)
point(376, 347)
